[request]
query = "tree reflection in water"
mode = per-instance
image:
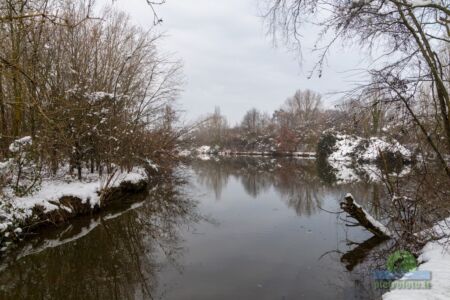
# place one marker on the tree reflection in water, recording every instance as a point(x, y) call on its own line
point(297, 181)
point(118, 259)
point(126, 255)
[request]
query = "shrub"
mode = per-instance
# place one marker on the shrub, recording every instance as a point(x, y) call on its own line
point(326, 145)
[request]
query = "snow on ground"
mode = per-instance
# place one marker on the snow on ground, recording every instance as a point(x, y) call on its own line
point(15, 209)
point(134, 176)
point(54, 190)
point(435, 258)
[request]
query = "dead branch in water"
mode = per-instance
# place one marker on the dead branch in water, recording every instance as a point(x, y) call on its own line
point(363, 218)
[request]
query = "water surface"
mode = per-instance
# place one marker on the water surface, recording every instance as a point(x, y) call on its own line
point(242, 228)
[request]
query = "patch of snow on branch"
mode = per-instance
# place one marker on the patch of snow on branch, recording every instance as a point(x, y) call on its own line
point(96, 96)
point(152, 165)
point(415, 3)
point(204, 150)
point(17, 145)
point(184, 153)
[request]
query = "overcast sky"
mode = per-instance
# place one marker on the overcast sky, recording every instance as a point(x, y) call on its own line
point(229, 61)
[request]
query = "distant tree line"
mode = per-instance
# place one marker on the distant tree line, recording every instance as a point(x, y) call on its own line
point(298, 124)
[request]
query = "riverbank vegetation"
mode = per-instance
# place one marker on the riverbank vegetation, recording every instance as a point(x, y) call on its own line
point(300, 124)
point(85, 96)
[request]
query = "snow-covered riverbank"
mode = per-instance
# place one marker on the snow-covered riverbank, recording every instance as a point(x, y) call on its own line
point(435, 258)
point(352, 158)
point(348, 148)
point(61, 199)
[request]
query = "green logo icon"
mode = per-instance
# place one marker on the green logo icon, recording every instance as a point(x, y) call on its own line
point(401, 262)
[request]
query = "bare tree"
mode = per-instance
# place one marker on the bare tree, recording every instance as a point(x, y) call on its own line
point(90, 91)
point(212, 130)
point(410, 37)
point(251, 121)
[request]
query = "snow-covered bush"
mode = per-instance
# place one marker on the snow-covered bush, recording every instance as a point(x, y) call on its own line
point(22, 171)
point(5, 167)
point(348, 158)
point(341, 147)
point(10, 223)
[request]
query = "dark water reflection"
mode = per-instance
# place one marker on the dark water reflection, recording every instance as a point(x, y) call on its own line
point(256, 230)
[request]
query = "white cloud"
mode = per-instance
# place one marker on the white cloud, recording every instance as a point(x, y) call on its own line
point(229, 62)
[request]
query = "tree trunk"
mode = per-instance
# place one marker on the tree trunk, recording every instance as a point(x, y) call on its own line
point(4, 128)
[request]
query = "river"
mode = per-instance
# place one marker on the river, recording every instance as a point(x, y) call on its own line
point(238, 228)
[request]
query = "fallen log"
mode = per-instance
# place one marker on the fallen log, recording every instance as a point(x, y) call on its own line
point(358, 213)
